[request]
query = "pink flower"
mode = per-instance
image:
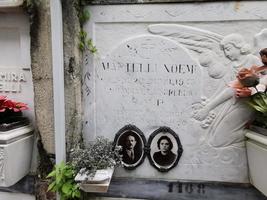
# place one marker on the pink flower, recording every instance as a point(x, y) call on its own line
point(14, 106)
point(19, 106)
point(2, 100)
point(246, 78)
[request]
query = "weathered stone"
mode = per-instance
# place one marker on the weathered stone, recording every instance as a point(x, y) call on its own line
point(73, 74)
point(42, 74)
point(41, 191)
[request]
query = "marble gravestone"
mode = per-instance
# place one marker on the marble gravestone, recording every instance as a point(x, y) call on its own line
point(15, 61)
point(168, 65)
point(16, 145)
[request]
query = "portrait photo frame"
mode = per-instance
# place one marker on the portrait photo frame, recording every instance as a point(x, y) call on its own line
point(130, 137)
point(165, 149)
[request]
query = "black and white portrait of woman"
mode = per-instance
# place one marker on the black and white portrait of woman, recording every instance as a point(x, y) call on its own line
point(132, 141)
point(164, 156)
point(165, 149)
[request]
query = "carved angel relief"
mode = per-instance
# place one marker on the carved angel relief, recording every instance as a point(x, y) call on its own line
point(223, 56)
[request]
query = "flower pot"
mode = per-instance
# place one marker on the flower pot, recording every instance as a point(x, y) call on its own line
point(10, 120)
point(257, 154)
point(15, 154)
point(98, 183)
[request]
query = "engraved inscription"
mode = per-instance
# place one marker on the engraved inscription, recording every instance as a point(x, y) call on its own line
point(148, 80)
point(176, 79)
point(12, 81)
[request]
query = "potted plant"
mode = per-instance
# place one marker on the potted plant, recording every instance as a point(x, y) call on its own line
point(90, 169)
point(16, 141)
point(62, 181)
point(11, 114)
point(256, 145)
point(94, 164)
point(259, 103)
point(251, 83)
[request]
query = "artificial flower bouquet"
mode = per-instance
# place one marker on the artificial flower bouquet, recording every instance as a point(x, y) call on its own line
point(254, 79)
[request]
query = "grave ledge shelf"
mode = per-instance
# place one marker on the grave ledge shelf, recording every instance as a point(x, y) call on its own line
point(172, 190)
point(109, 2)
point(26, 185)
point(98, 186)
point(257, 151)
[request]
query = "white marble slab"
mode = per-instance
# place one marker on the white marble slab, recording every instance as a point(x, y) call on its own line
point(15, 60)
point(171, 40)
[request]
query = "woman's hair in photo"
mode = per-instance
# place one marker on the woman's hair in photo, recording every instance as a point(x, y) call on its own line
point(164, 137)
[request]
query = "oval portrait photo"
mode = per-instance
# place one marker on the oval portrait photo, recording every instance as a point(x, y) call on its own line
point(132, 141)
point(165, 149)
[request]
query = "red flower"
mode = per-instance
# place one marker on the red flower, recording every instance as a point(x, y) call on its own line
point(11, 105)
point(2, 100)
point(19, 106)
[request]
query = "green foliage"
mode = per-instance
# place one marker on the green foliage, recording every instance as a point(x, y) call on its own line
point(62, 181)
point(260, 120)
point(258, 101)
point(85, 43)
point(99, 154)
point(30, 3)
point(84, 16)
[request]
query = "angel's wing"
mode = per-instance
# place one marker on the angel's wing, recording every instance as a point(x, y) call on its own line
point(204, 44)
point(192, 38)
point(260, 41)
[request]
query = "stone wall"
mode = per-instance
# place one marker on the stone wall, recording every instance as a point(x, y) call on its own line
point(43, 76)
point(73, 73)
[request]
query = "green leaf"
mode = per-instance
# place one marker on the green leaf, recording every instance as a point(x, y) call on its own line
point(81, 46)
point(59, 178)
point(63, 181)
point(51, 174)
point(76, 194)
point(82, 35)
point(259, 102)
point(66, 188)
point(69, 173)
point(51, 186)
point(84, 16)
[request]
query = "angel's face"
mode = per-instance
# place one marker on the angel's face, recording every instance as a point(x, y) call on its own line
point(231, 52)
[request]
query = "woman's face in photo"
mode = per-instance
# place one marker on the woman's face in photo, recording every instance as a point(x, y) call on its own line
point(164, 146)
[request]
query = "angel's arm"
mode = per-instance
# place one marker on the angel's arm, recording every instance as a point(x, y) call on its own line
point(226, 94)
